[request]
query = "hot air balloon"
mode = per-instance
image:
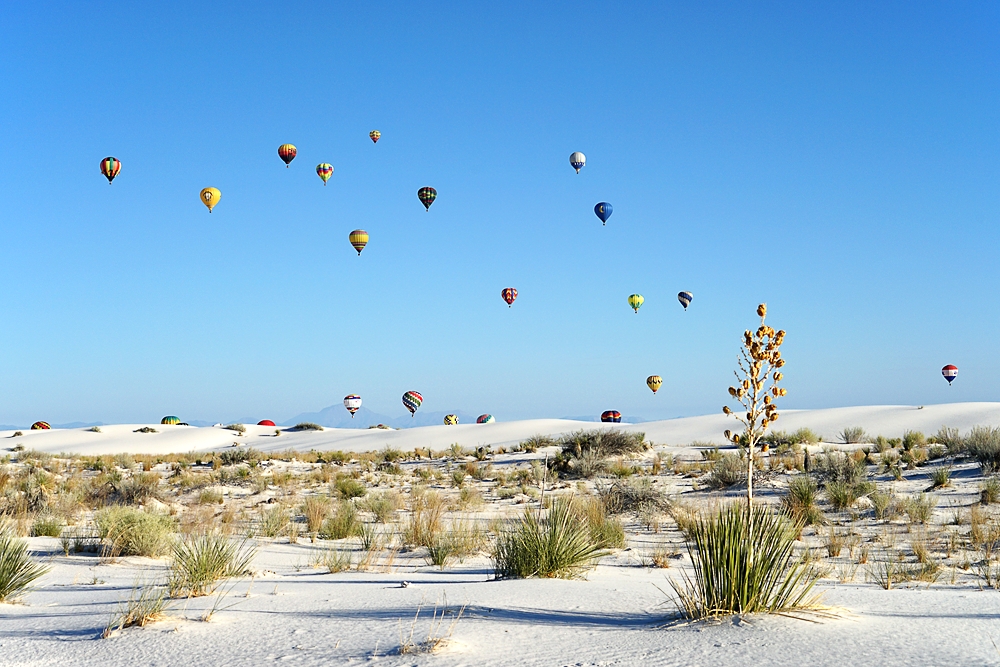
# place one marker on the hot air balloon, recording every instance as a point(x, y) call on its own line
point(110, 167)
point(359, 239)
point(654, 382)
point(266, 422)
point(577, 161)
point(603, 211)
point(287, 153)
point(40, 426)
point(485, 419)
point(450, 420)
point(685, 298)
point(427, 196)
point(210, 197)
point(412, 401)
point(611, 416)
point(950, 373)
point(324, 171)
point(170, 420)
point(375, 135)
point(508, 294)
point(352, 403)
point(635, 301)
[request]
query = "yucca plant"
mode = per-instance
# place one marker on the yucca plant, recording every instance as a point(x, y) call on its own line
point(734, 574)
point(200, 563)
point(17, 570)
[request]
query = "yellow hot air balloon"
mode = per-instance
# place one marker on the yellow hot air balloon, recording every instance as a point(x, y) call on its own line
point(210, 197)
point(654, 382)
point(450, 420)
point(359, 239)
point(635, 301)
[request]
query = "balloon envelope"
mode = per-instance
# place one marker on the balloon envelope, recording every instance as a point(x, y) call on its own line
point(603, 211)
point(427, 195)
point(412, 401)
point(950, 373)
point(635, 301)
point(508, 294)
point(485, 419)
point(324, 171)
point(287, 153)
point(654, 382)
point(359, 239)
point(40, 426)
point(375, 135)
point(450, 420)
point(170, 419)
point(577, 161)
point(611, 416)
point(110, 167)
point(266, 422)
point(353, 403)
point(210, 197)
point(685, 298)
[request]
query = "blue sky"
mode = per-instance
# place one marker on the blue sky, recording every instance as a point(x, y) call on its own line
point(837, 160)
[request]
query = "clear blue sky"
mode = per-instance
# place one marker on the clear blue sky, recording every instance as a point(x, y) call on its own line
point(837, 160)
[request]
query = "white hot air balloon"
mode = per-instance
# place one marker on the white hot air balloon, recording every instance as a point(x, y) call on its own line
point(577, 160)
point(352, 403)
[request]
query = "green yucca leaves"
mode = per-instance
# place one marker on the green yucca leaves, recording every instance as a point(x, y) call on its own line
point(17, 570)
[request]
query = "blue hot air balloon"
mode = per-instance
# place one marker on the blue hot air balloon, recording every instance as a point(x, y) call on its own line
point(685, 298)
point(603, 211)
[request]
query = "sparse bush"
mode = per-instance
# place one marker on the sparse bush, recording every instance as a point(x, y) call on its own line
point(739, 573)
point(834, 543)
point(989, 491)
point(146, 429)
point(728, 470)
point(425, 520)
point(558, 545)
point(145, 604)
point(951, 439)
point(315, 509)
point(913, 439)
point(633, 497)
point(457, 477)
point(883, 502)
point(983, 444)
point(94, 429)
point(210, 496)
point(332, 560)
point(239, 428)
point(841, 495)
point(272, 521)
point(348, 488)
point(604, 442)
point(940, 478)
point(536, 442)
point(126, 531)
point(383, 505)
point(853, 434)
point(46, 526)
point(919, 508)
point(17, 570)
point(343, 523)
point(800, 501)
point(307, 426)
point(200, 563)
point(237, 455)
point(838, 467)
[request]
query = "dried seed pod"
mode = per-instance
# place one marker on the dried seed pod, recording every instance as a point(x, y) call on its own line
point(762, 310)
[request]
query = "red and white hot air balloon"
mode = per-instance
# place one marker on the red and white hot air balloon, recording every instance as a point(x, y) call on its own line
point(950, 373)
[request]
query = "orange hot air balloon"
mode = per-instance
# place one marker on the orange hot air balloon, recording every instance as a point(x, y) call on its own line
point(287, 153)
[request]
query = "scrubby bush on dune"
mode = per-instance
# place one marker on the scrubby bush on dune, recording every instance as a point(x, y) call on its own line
point(983, 444)
point(633, 497)
point(536, 442)
point(913, 439)
point(17, 570)
point(555, 545)
point(728, 470)
point(239, 428)
point(838, 467)
point(584, 453)
point(236, 455)
point(200, 563)
point(347, 488)
point(46, 526)
point(307, 426)
point(739, 569)
point(853, 434)
point(342, 523)
point(146, 429)
point(800, 501)
point(126, 531)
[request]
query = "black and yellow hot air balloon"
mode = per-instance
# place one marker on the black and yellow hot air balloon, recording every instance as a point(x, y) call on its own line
point(287, 153)
point(654, 382)
point(210, 197)
point(359, 239)
point(170, 420)
point(450, 420)
point(427, 195)
point(40, 426)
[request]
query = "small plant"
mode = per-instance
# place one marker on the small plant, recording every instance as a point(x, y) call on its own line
point(383, 505)
point(457, 477)
point(800, 501)
point(834, 543)
point(146, 429)
point(841, 495)
point(919, 508)
point(883, 503)
point(536, 442)
point(347, 488)
point(369, 535)
point(332, 560)
point(126, 531)
point(306, 426)
point(913, 439)
point(315, 509)
point(853, 434)
point(210, 496)
point(46, 526)
point(728, 470)
point(238, 428)
point(989, 491)
point(146, 603)
point(94, 429)
point(940, 478)
point(201, 563)
point(983, 444)
point(272, 521)
point(343, 523)
point(17, 570)
point(441, 552)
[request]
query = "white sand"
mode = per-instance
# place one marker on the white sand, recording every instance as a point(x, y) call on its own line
point(890, 421)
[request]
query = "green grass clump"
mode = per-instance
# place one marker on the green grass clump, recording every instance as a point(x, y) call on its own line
point(343, 523)
point(536, 442)
point(913, 439)
point(800, 501)
point(557, 545)
point(307, 426)
point(940, 478)
point(989, 491)
point(841, 495)
point(983, 444)
point(235, 455)
point(728, 470)
point(347, 488)
point(46, 526)
point(127, 531)
point(145, 604)
point(604, 442)
point(17, 570)
point(383, 505)
point(739, 572)
point(200, 563)
point(919, 508)
point(853, 434)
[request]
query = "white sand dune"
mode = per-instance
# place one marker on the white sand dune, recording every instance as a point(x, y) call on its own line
point(888, 420)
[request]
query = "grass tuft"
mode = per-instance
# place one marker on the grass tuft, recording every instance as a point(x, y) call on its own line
point(17, 570)
point(200, 563)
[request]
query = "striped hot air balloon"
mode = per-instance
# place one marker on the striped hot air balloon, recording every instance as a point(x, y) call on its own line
point(950, 373)
point(485, 419)
point(635, 301)
point(427, 195)
point(611, 416)
point(40, 426)
point(210, 197)
point(266, 422)
point(287, 153)
point(324, 170)
point(353, 403)
point(450, 420)
point(171, 420)
point(412, 401)
point(375, 135)
point(577, 160)
point(603, 211)
point(654, 382)
point(110, 167)
point(508, 294)
point(359, 239)
point(685, 298)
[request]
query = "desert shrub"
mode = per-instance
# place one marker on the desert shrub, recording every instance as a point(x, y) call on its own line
point(951, 439)
point(126, 531)
point(983, 444)
point(727, 471)
point(883, 503)
point(604, 442)
point(440, 552)
point(841, 495)
point(633, 497)
point(347, 488)
point(307, 426)
point(913, 439)
point(343, 523)
point(145, 429)
point(739, 573)
point(587, 465)
point(17, 570)
point(383, 505)
point(935, 452)
point(919, 508)
point(210, 496)
point(315, 509)
point(46, 526)
point(800, 501)
point(780, 439)
point(121, 489)
point(237, 455)
point(332, 560)
point(838, 467)
point(536, 442)
point(200, 563)
point(469, 498)
point(239, 428)
point(425, 520)
point(853, 434)
point(989, 491)
point(146, 603)
point(940, 477)
point(605, 531)
point(94, 429)
point(272, 521)
point(557, 545)
point(457, 477)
